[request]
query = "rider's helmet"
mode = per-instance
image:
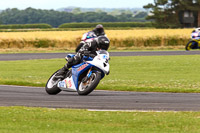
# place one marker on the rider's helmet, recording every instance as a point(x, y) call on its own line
point(195, 33)
point(99, 30)
point(103, 42)
point(196, 30)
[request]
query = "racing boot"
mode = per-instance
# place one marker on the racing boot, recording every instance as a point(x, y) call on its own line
point(61, 73)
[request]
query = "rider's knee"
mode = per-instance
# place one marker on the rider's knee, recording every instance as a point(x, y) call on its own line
point(73, 61)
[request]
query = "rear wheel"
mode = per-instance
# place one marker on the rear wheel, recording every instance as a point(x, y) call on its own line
point(51, 85)
point(191, 45)
point(86, 87)
point(188, 45)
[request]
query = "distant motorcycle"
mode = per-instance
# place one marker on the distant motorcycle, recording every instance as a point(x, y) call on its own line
point(192, 44)
point(82, 78)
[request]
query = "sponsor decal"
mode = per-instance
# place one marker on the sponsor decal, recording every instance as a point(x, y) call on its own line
point(61, 84)
point(68, 83)
point(105, 56)
point(82, 67)
point(106, 41)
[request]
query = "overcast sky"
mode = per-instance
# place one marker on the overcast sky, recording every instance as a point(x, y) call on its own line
point(55, 4)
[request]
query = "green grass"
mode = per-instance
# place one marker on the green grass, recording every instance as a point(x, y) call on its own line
point(138, 73)
point(41, 120)
point(71, 50)
point(134, 73)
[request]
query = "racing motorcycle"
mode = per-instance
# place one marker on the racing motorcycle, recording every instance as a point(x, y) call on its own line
point(82, 78)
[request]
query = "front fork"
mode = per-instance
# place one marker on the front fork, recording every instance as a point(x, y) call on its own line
point(87, 76)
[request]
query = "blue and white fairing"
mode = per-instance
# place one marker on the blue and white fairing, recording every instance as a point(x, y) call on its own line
point(71, 83)
point(77, 70)
point(100, 62)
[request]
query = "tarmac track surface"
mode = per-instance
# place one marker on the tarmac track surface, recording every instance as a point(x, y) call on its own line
point(98, 100)
point(29, 56)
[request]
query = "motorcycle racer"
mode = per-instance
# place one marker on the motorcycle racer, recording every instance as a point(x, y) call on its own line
point(101, 42)
point(195, 35)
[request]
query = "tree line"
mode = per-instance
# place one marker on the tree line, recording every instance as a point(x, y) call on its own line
point(56, 18)
point(169, 13)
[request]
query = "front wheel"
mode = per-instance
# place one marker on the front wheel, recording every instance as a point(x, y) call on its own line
point(51, 85)
point(87, 87)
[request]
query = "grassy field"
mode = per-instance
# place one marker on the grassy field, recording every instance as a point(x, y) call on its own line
point(71, 35)
point(134, 73)
point(72, 50)
point(43, 120)
point(120, 39)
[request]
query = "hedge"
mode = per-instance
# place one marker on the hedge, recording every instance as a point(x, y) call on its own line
point(108, 24)
point(25, 26)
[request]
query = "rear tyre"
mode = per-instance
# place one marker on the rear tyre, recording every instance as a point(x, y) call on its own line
point(51, 85)
point(87, 87)
point(190, 45)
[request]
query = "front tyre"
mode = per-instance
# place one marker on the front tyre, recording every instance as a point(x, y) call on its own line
point(51, 85)
point(87, 87)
